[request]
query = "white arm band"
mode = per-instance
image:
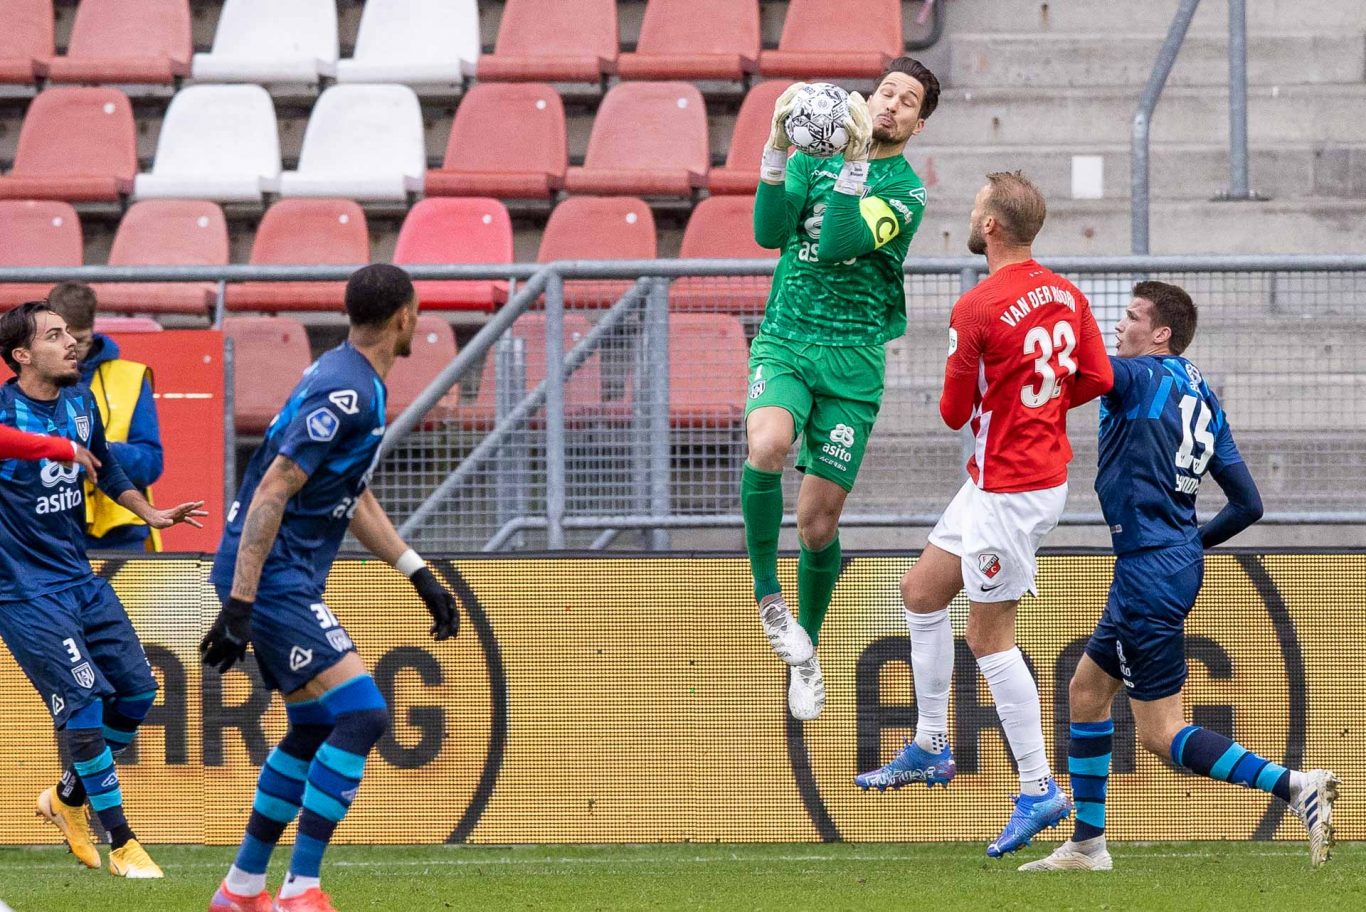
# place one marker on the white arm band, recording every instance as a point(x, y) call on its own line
point(852, 177)
point(409, 562)
point(773, 167)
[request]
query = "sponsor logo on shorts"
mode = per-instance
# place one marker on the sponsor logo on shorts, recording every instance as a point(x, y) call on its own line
point(84, 675)
point(340, 640)
point(1125, 672)
point(841, 438)
point(322, 424)
point(83, 427)
point(989, 564)
point(299, 657)
point(58, 704)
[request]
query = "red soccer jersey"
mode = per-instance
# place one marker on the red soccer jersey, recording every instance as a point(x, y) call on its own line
point(1023, 348)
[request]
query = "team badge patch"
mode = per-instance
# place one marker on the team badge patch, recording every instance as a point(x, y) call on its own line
point(346, 400)
point(989, 564)
point(339, 640)
point(299, 657)
point(83, 427)
point(322, 424)
point(84, 675)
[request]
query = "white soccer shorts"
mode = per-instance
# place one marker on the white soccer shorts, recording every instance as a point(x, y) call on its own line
point(997, 536)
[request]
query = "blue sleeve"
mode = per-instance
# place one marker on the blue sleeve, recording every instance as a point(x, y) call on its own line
point(1225, 449)
point(141, 457)
point(113, 481)
point(1127, 376)
point(1244, 505)
point(325, 418)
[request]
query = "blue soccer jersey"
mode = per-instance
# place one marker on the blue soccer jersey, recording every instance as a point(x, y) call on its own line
point(331, 428)
point(1161, 431)
point(42, 504)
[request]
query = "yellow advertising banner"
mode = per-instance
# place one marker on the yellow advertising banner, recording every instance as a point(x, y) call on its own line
point(635, 699)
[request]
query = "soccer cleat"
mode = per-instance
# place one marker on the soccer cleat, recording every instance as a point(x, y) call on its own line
point(1070, 856)
point(74, 822)
point(786, 636)
point(1032, 815)
point(311, 900)
point(1314, 806)
point(912, 764)
point(806, 690)
point(226, 901)
point(132, 861)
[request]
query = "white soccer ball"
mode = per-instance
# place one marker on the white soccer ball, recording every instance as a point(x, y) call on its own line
point(816, 123)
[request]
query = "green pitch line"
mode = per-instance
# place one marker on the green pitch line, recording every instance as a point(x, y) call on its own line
point(1153, 877)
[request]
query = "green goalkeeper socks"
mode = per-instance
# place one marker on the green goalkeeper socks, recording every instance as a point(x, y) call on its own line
point(817, 572)
point(761, 503)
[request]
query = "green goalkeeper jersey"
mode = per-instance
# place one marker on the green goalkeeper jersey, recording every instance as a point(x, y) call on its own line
point(839, 280)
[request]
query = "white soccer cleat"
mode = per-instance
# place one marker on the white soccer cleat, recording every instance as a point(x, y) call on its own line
point(1314, 806)
point(1071, 856)
point(806, 690)
point(785, 635)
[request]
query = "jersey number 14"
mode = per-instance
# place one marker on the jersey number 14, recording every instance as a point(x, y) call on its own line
point(1039, 341)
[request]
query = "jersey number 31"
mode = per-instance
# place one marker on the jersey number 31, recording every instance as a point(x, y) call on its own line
point(1039, 341)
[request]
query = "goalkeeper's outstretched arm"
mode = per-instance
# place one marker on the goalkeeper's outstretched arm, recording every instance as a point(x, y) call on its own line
point(779, 198)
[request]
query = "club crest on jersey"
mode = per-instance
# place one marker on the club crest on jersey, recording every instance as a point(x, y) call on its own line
point(989, 565)
point(83, 427)
point(346, 400)
point(339, 640)
point(299, 657)
point(84, 675)
point(322, 424)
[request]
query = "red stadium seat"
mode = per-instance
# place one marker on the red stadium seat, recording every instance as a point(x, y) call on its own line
point(649, 139)
point(26, 40)
point(598, 228)
point(708, 370)
point(583, 390)
point(76, 144)
point(557, 41)
point(722, 227)
point(37, 234)
point(695, 39)
point(508, 141)
point(304, 232)
point(433, 348)
point(107, 325)
point(167, 233)
point(741, 171)
point(131, 41)
point(836, 38)
point(270, 354)
point(451, 230)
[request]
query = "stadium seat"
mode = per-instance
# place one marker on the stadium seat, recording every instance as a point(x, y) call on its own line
point(127, 41)
point(649, 139)
point(26, 39)
point(695, 39)
point(417, 42)
point(555, 41)
point(272, 42)
point(304, 233)
point(76, 144)
point(269, 354)
point(451, 230)
point(433, 348)
point(167, 233)
point(741, 171)
point(37, 233)
point(363, 142)
point(598, 228)
point(104, 324)
point(829, 38)
point(216, 142)
point(583, 390)
point(708, 370)
point(508, 141)
point(721, 227)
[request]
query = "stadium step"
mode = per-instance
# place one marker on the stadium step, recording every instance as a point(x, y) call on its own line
point(1096, 17)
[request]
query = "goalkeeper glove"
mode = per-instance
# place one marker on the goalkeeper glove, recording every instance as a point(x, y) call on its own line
point(859, 126)
point(440, 603)
point(226, 642)
point(777, 134)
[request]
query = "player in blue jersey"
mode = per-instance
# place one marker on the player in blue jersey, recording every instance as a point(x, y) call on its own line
point(304, 487)
point(1161, 432)
point(64, 625)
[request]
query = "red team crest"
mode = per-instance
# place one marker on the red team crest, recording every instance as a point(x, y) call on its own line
point(989, 564)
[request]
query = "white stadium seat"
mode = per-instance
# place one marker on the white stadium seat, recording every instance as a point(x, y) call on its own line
point(218, 143)
point(363, 142)
point(419, 42)
point(272, 41)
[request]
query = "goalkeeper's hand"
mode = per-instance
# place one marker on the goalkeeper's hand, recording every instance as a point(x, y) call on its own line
point(777, 134)
point(439, 601)
point(859, 126)
point(226, 642)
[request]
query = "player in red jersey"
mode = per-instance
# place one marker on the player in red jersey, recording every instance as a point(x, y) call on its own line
point(1023, 349)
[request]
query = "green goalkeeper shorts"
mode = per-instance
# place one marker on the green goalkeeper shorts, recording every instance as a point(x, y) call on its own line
point(832, 392)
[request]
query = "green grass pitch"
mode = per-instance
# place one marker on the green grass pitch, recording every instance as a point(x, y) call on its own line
point(1149, 877)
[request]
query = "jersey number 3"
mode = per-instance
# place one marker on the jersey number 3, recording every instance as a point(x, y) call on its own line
point(1043, 344)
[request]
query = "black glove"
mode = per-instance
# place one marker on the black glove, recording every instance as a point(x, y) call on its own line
point(439, 601)
point(227, 640)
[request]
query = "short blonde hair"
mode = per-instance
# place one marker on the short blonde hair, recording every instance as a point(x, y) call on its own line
point(1017, 204)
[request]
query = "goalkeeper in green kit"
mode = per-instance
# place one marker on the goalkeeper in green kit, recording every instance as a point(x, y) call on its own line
point(816, 368)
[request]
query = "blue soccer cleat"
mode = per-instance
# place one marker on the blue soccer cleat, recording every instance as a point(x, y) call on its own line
point(912, 764)
point(1032, 815)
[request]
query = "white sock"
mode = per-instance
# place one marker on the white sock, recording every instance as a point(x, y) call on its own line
point(1297, 779)
point(1017, 703)
point(295, 885)
point(932, 667)
point(240, 883)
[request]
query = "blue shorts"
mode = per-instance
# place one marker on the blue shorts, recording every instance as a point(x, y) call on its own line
point(1141, 637)
point(76, 646)
point(295, 636)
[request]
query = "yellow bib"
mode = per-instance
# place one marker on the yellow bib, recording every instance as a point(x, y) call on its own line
point(117, 385)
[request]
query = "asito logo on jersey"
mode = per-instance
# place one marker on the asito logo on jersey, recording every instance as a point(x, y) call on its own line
point(53, 474)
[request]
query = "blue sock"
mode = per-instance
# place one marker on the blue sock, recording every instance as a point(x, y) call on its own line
point(94, 764)
point(280, 787)
point(1211, 754)
point(1088, 766)
point(335, 773)
point(119, 725)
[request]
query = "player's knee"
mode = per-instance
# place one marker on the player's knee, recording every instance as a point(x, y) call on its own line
point(368, 725)
point(817, 529)
point(914, 596)
point(768, 446)
point(1155, 739)
point(1084, 703)
point(984, 640)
